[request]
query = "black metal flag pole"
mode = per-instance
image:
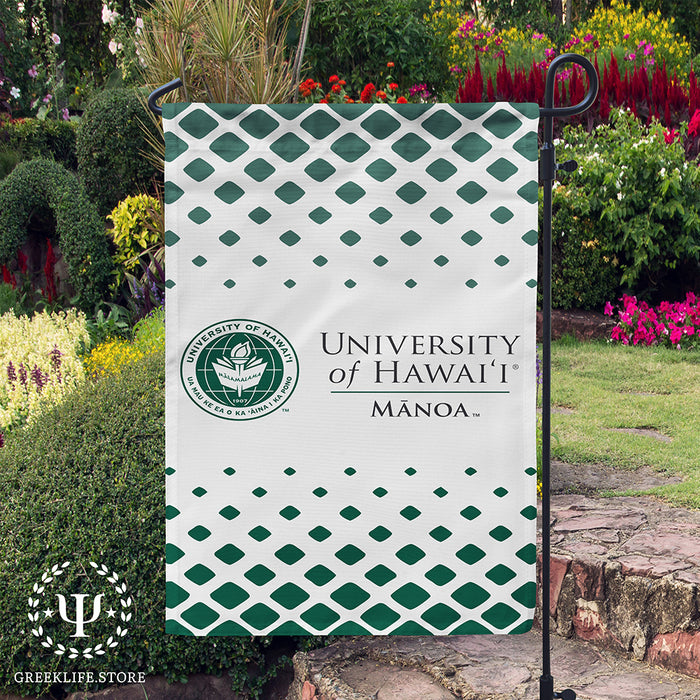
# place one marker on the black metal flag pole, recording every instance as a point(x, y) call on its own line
point(548, 170)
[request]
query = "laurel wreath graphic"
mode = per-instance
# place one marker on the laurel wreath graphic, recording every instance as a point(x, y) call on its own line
point(35, 600)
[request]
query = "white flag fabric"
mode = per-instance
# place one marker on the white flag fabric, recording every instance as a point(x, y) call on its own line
point(351, 368)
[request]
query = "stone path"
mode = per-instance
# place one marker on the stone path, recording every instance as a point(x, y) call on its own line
point(476, 668)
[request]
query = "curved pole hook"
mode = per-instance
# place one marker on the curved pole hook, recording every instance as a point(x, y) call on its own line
point(159, 92)
point(549, 110)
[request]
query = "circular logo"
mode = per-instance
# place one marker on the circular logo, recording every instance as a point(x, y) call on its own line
point(82, 625)
point(239, 369)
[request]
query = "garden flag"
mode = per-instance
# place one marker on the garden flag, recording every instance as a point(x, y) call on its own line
point(351, 368)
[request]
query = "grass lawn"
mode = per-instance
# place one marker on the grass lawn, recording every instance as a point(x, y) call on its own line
point(608, 387)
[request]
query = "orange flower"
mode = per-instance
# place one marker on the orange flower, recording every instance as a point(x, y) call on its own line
point(381, 95)
point(342, 82)
point(324, 101)
point(402, 100)
point(336, 89)
point(390, 64)
point(349, 100)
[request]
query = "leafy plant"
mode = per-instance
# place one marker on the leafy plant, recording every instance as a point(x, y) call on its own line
point(42, 185)
point(356, 38)
point(110, 142)
point(222, 50)
point(86, 484)
point(640, 195)
point(48, 138)
point(137, 227)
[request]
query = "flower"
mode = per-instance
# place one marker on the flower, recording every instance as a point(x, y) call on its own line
point(114, 46)
point(381, 95)
point(608, 311)
point(139, 23)
point(393, 86)
point(56, 39)
point(390, 64)
point(670, 135)
point(32, 72)
point(15, 92)
point(65, 114)
point(111, 16)
point(47, 98)
point(333, 79)
point(694, 125)
point(367, 92)
point(402, 100)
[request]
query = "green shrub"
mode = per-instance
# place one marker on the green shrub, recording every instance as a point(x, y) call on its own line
point(355, 39)
point(137, 227)
point(42, 185)
point(48, 138)
point(584, 272)
point(641, 196)
point(110, 145)
point(87, 485)
point(9, 298)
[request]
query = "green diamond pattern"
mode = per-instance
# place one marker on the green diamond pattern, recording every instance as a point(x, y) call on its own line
point(289, 596)
point(350, 192)
point(259, 124)
point(441, 170)
point(229, 238)
point(411, 147)
point(199, 215)
point(380, 125)
point(350, 596)
point(320, 261)
point(259, 575)
point(289, 147)
point(259, 261)
point(529, 192)
point(229, 554)
point(259, 533)
point(173, 553)
point(471, 147)
point(380, 533)
point(320, 124)
point(471, 554)
point(350, 147)
point(472, 192)
point(531, 237)
point(320, 533)
point(229, 192)
point(260, 616)
point(319, 575)
point(410, 596)
point(350, 554)
point(441, 124)
point(471, 238)
point(289, 554)
point(410, 238)
point(198, 169)
point(440, 533)
point(171, 238)
point(471, 596)
point(350, 513)
point(199, 261)
point(320, 616)
point(502, 215)
point(410, 513)
point(441, 261)
point(320, 215)
point(289, 192)
point(290, 512)
point(500, 574)
point(198, 123)
point(259, 170)
point(411, 193)
point(290, 238)
point(380, 261)
point(502, 124)
point(229, 147)
point(199, 574)
point(259, 215)
point(199, 533)
point(229, 512)
point(380, 616)
point(174, 147)
point(440, 616)
point(440, 575)
point(441, 215)
point(350, 238)
point(172, 192)
point(501, 260)
point(410, 554)
point(380, 215)
point(320, 170)
point(381, 170)
point(229, 595)
point(502, 169)
point(200, 616)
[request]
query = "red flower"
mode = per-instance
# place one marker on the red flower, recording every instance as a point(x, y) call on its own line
point(670, 135)
point(694, 126)
point(336, 89)
point(367, 93)
point(324, 101)
point(333, 79)
point(381, 95)
point(393, 86)
point(8, 277)
point(342, 82)
point(349, 100)
point(402, 100)
point(390, 64)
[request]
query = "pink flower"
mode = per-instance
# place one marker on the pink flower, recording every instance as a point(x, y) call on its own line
point(65, 114)
point(670, 135)
point(648, 50)
point(694, 127)
point(608, 311)
point(56, 39)
point(630, 56)
point(550, 53)
point(626, 36)
point(47, 98)
point(588, 37)
point(32, 72)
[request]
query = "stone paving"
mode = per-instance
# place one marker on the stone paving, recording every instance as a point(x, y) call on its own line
point(625, 614)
